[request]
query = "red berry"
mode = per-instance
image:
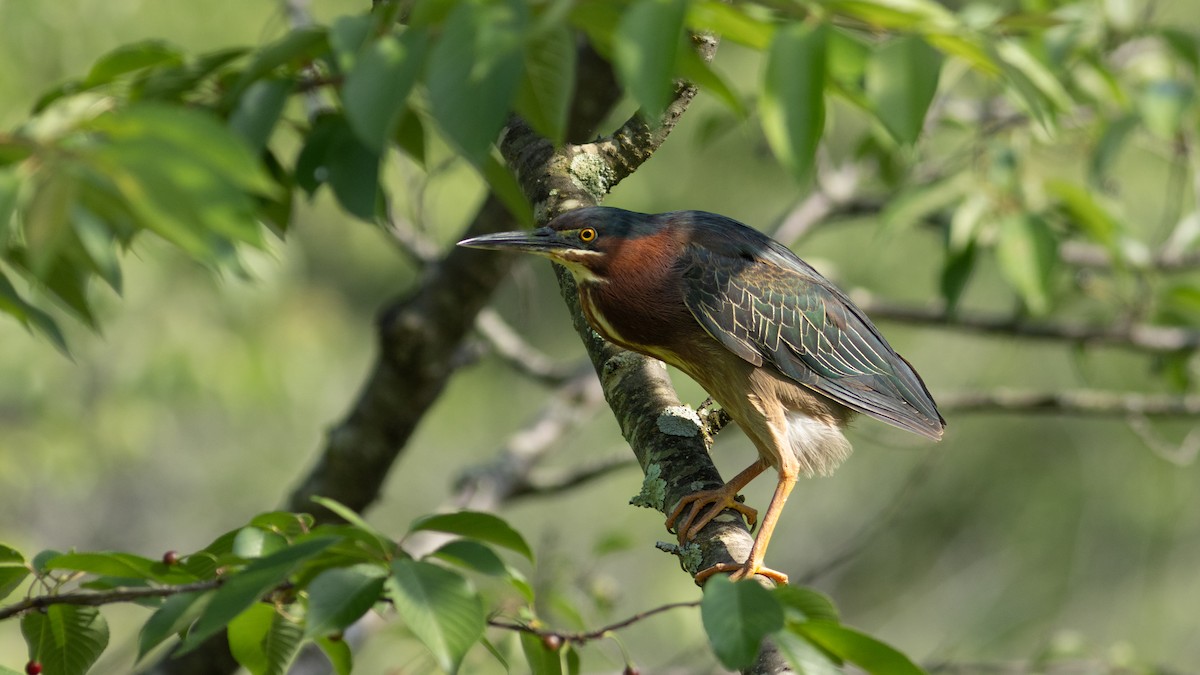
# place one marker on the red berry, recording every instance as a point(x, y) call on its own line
point(632, 670)
point(33, 668)
point(552, 642)
point(170, 558)
point(336, 637)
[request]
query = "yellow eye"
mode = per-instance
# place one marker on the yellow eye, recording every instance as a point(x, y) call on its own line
point(587, 235)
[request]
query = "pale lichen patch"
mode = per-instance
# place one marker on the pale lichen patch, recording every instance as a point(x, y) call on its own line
point(592, 173)
point(679, 420)
point(654, 490)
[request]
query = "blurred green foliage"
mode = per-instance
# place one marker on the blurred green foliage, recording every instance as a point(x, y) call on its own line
point(204, 397)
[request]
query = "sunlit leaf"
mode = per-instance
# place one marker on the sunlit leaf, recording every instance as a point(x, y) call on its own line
point(66, 639)
point(736, 616)
point(118, 564)
point(792, 103)
point(858, 648)
point(1027, 251)
point(1162, 106)
point(731, 23)
point(263, 640)
point(439, 608)
point(805, 603)
point(476, 525)
point(338, 653)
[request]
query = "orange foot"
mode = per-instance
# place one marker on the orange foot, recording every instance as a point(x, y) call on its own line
point(741, 572)
point(705, 506)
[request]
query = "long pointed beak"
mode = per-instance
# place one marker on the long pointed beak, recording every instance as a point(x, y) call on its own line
point(542, 241)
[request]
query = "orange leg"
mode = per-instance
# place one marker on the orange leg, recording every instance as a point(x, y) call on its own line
point(753, 564)
point(716, 501)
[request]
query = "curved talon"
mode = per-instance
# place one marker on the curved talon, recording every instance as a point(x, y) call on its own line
point(716, 501)
point(741, 572)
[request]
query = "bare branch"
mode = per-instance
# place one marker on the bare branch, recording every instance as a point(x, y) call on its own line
point(586, 636)
point(1094, 256)
point(508, 344)
point(1181, 454)
point(109, 597)
point(545, 484)
point(1141, 337)
point(1082, 402)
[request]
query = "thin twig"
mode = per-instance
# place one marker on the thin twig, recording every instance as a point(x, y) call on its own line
point(1083, 402)
point(98, 598)
point(548, 484)
point(580, 638)
point(1140, 337)
point(526, 359)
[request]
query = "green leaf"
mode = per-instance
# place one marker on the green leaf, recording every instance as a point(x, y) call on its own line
point(385, 543)
point(264, 641)
point(131, 57)
point(120, 565)
point(956, 272)
point(736, 617)
point(1036, 87)
point(338, 597)
point(504, 185)
point(295, 49)
point(474, 71)
point(472, 555)
point(1028, 255)
point(645, 46)
point(247, 586)
point(1108, 148)
point(805, 603)
point(11, 577)
point(731, 23)
point(9, 555)
point(39, 560)
point(97, 242)
point(439, 608)
point(1086, 210)
point(548, 83)
point(858, 648)
point(174, 616)
point(901, 80)
point(805, 657)
point(695, 70)
point(377, 88)
point(1163, 105)
point(347, 35)
point(47, 226)
point(172, 83)
point(284, 523)
point(334, 155)
point(252, 542)
point(410, 136)
point(338, 653)
point(476, 525)
point(66, 639)
point(541, 660)
point(258, 110)
point(792, 103)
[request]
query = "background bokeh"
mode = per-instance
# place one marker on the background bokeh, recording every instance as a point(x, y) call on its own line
point(205, 398)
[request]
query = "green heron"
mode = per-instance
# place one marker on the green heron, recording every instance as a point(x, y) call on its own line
point(780, 348)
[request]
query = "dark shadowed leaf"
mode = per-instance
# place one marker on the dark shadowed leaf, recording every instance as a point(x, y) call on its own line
point(377, 87)
point(792, 102)
point(736, 617)
point(334, 155)
point(548, 82)
point(295, 48)
point(645, 45)
point(474, 71)
point(338, 597)
point(901, 79)
point(956, 272)
point(476, 525)
point(131, 57)
point(439, 608)
point(175, 615)
point(66, 639)
point(258, 110)
point(247, 586)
